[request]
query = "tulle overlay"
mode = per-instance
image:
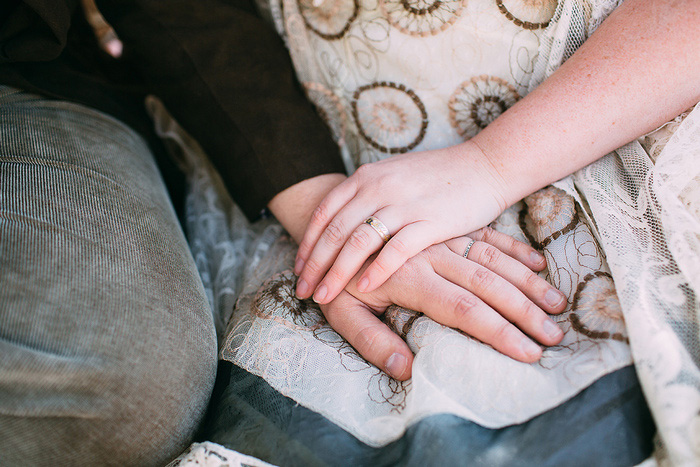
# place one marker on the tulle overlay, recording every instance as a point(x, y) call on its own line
point(621, 236)
point(209, 454)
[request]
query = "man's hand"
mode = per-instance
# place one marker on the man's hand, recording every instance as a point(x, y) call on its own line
point(489, 295)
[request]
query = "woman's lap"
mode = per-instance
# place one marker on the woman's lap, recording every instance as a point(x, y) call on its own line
point(608, 423)
point(106, 336)
point(270, 335)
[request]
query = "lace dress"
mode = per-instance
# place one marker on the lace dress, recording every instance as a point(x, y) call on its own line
point(391, 76)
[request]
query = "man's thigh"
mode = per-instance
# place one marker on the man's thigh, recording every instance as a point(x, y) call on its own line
point(107, 345)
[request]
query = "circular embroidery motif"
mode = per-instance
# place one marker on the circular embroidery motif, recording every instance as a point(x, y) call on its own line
point(421, 17)
point(549, 213)
point(329, 108)
point(400, 319)
point(389, 116)
point(596, 310)
point(330, 19)
point(528, 14)
point(276, 300)
point(478, 102)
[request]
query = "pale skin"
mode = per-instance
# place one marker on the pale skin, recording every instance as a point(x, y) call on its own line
point(493, 296)
point(637, 71)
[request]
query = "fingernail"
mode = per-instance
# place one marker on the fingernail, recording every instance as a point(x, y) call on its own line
point(396, 365)
point(554, 298)
point(321, 293)
point(536, 257)
point(298, 266)
point(302, 288)
point(530, 348)
point(363, 284)
point(551, 329)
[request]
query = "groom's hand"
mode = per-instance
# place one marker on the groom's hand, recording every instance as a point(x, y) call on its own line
point(489, 295)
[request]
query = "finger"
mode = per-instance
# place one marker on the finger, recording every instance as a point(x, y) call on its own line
point(339, 230)
point(329, 207)
point(500, 295)
point(533, 286)
point(371, 338)
point(512, 247)
point(453, 306)
point(405, 244)
point(361, 244)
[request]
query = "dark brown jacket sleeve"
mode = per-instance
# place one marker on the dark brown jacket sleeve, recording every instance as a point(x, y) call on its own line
point(227, 78)
point(34, 30)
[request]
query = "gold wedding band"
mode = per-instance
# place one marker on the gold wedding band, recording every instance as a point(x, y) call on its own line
point(469, 247)
point(378, 227)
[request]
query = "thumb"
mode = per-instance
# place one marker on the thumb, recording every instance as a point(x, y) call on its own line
point(378, 344)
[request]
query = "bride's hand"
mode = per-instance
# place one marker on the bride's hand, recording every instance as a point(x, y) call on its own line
point(422, 199)
point(489, 295)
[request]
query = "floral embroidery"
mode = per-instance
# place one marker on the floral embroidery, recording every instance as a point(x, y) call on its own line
point(330, 19)
point(400, 319)
point(330, 107)
point(596, 311)
point(547, 215)
point(478, 101)
point(528, 14)
point(276, 300)
point(422, 17)
point(389, 116)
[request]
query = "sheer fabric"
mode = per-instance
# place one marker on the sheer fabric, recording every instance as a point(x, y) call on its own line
point(645, 199)
point(209, 454)
point(392, 77)
point(642, 215)
point(649, 224)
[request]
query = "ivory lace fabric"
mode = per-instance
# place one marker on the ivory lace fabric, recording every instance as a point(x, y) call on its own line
point(209, 454)
point(645, 201)
point(621, 236)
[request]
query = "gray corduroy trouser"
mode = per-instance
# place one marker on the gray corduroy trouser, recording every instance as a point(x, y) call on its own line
point(107, 343)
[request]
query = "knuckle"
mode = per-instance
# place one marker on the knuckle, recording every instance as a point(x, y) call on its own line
point(478, 235)
point(483, 278)
point(464, 307)
point(313, 268)
point(514, 244)
point(304, 249)
point(528, 311)
point(362, 171)
point(534, 312)
point(488, 234)
point(489, 256)
point(434, 254)
point(320, 215)
point(336, 275)
point(333, 234)
point(360, 240)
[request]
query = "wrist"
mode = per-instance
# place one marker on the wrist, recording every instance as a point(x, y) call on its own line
point(524, 164)
point(472, 158)
point(293, 206)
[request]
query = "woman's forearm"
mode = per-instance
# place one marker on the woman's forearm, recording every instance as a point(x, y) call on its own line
point(637, 71)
